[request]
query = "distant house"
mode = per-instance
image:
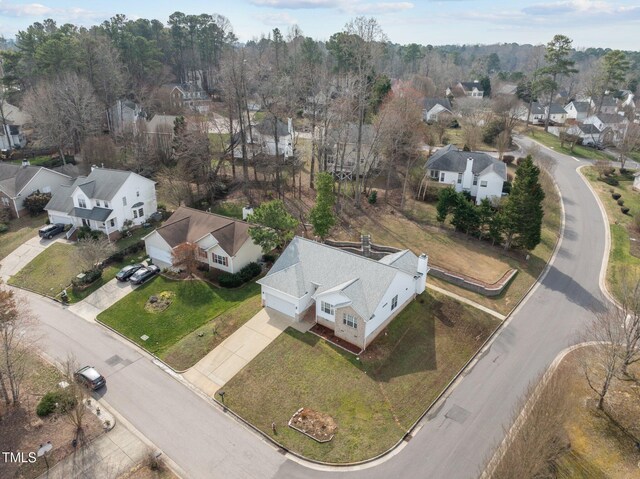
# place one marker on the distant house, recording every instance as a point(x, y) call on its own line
point(223, 243)
point(341, 150)
point(433, 107)
point(355, 296)
point(578, 110)
point(476, 172)
point(609, 105)
point(188, 95)
point(506, 89)
point(105, 200)
point(557, 116)
point(471, 89)
point(612, 126)
point(17, 182)
point(11, 127)
point(587, 132)
point(261, 139)
point(123, 117)
point(537, 116)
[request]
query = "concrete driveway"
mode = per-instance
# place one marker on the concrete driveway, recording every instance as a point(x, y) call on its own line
point(101, 299)
point(22, 255)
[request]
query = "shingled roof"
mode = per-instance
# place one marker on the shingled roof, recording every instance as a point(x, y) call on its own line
point(13, 178)
point(188, 225)
point(450, 158)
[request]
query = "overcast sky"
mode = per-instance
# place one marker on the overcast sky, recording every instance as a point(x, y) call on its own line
point(590, 23)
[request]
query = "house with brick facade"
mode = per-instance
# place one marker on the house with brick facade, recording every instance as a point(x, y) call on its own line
point(354, 296)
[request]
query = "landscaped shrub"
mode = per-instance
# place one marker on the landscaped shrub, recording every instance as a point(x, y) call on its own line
point(88, 278)
point(609, 171)
point(611, 181)
point(621, 202)
point(624, 210)
point(373, 197)
point(269, 258)
point(520, 160)
point(250, 271)
point(616, 196)
point(3, 228)
point(506, 187)
point(86, 232)
point(35, 202)
point(60, 400)
point(508, 159)
point(229, 280)
point(5, 214)
point(625, 172)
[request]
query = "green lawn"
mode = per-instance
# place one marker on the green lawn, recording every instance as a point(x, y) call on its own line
point(36, 161)
point(374, 399)
point(198, 343)
point(195, 303)
point(49, 272)
point(20, 230)
point(621, 226)
point(552, 141)
point(228, 208)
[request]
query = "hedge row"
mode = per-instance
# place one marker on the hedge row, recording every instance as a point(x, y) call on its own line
point(246, 274)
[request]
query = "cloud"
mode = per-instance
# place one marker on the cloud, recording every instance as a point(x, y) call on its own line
point(582, 8)
point(43, 11)
point(296, 4)
point(375, 8)
point(278, 19)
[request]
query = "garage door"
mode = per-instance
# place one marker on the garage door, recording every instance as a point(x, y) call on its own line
point(159, 255)
point(279, 304)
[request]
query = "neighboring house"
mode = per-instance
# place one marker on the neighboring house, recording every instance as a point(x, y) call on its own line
point(341, 150)
point(537, 115)
point(262, 139)
point(188, 95)
point(223, 243)
point(609, 105)
point(478, 173)
point(636, 181)
point(612, 126)
point(17, 182)
point(506, 89)
point(105, 200)
point(588, 132)
point(11, 127)
point(471, 89)
point(433, 107)
point(355, 296)
point(578, 110)
point(557, 116)
point(123, 117)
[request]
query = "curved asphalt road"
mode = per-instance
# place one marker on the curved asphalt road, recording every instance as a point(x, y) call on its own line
point(454, 440)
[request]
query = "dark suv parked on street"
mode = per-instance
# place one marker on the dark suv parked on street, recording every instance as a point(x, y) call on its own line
point(50, 231)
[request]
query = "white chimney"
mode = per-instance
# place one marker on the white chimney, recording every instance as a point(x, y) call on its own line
point(246, 212)
point(469, 167)
point(423, 269)
point(290, 126)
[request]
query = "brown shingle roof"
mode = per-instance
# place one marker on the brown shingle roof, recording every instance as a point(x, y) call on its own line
point(190, 225)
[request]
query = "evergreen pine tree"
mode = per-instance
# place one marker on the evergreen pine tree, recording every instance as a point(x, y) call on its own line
point(321, 216)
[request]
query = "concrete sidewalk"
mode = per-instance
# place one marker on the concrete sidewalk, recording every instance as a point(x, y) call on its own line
point(112, 454)
point(234, 353)
point(22, 255)
point(101, 299)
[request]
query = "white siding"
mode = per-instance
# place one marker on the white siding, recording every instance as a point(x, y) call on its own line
point(280, 302)
point(402, 285)
point(42, 181)
point(493, 188)
point(336, 299)
point(158, 250)
point(248, 253)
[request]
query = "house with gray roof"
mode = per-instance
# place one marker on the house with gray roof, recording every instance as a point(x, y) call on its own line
point(340, 150)
point(433, 107)
point(478, 173)
point(222, 243)
point(106, 200)
point(353, 295)
point(536, 116)
point(578, 110)
point(19, 181)
point(264, 136)
point(470, 89)
point(612, 126)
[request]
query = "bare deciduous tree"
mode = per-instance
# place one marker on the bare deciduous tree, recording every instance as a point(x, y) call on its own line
point(76, 409)
point(184, 256)
point(91, 252)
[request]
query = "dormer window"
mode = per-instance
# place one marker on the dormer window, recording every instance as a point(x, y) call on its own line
point(98, 203)
point(82, 203)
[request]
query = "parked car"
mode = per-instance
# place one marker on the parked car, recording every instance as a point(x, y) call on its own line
point(50, 231)
point(593, 144)
point(144, 274)
point(90, 378)
point(125, 273)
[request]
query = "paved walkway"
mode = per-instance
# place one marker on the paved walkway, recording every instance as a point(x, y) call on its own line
point(462, 299)
point(234, 353)
point(112, 454)
point(22, 255)
point(101, 299)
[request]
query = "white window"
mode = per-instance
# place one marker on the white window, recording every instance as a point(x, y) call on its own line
point(442, 176)
point(98, 203)
point(475, 180)
point(394, 302)
point(5, 201)
point(327, 308)
point(112, 222)
point(124, 201)
point(483, 184)
point(141, 212)
point(349, 320)
point(218, 259)
point(135, 213)
point(435, 174)
point(106, 204)
point(459, 178)
point(82, 203)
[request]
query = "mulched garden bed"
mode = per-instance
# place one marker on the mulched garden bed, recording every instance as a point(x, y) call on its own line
point(318, 426)
point(157, 304)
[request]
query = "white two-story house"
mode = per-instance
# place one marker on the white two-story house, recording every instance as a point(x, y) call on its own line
point(263, 138)
point(476, 172)
point(354, 296)
point(578, 110)
point(222, 243)
point(106, 200)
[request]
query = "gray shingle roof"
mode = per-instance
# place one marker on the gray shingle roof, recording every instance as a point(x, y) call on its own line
point(588, 128)
point(557, 109)
point(306, 266)
point(429, 103)
point(13, 178)
point(265, 127)
point(450, 158)
point(96, 214)
point(610, 118)
point(582, 106)
point(470, 85)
